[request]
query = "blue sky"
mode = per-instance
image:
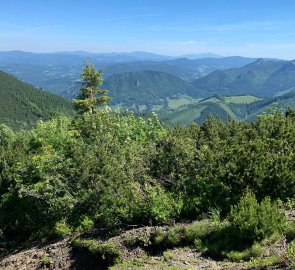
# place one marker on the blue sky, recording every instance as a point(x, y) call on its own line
point(257, 28)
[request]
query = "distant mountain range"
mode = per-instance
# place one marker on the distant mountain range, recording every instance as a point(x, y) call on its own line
point(180, 90)
point(21, 104)
point(58, 72)
point(200, 55)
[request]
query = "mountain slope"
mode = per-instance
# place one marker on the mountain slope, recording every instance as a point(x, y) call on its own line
point(283, 78)
point(239, 108)
point(144, 87)
point(184, 68)
point(21, 104)
point(250, 79)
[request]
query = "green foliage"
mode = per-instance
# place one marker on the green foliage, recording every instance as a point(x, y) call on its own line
point(175, 235)
point(85, 225)
point(112, 169)
point(96, 247)
point(185, 234)
point(61, 229)
point(253, 221)
point(231, 157)
point(88, 100)
point(161, 205)
point(199, 246)
point(199, 230)
point(108, 251)
point(136, 240)
point(159, 237)
point(255, 251)
point(45, 262)
point(6, 135)
point(86, 172)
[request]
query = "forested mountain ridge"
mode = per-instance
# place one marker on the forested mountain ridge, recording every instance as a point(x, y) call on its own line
point(144, 87)
point(22, 104)
point(263, 78)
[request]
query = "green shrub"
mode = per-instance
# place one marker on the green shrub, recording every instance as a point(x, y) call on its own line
point(132, 241)
point(167, 255)
point(105, 250)
point(199, 245)
point(263, 263)
point(173, 237)
point(45, 262)
point(161, 206)
point(255, 251)
point(176, 235)
point(61, 229)
point(252, 221)
point(85, 225)
point(290, 204)
point(159, 237)
point(199, 230)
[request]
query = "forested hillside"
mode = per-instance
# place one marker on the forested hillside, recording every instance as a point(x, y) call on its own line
point(263, 78)
point(21, 104)
point(145, 87)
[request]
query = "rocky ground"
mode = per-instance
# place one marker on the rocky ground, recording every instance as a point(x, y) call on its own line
point(63, 255)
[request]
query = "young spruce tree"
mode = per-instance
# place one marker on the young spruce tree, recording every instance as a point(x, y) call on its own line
point(91, 95)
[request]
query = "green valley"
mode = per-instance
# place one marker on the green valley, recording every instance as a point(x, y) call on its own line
point(239, 108)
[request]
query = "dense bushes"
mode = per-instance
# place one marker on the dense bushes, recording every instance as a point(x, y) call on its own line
point(114, 169)
point(216, 164)
point(244, 234)
point(252, 221)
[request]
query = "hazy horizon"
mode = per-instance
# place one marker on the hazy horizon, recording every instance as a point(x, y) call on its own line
point(225, 27)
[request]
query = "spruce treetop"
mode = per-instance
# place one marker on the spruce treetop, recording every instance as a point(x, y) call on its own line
point(91, 95)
